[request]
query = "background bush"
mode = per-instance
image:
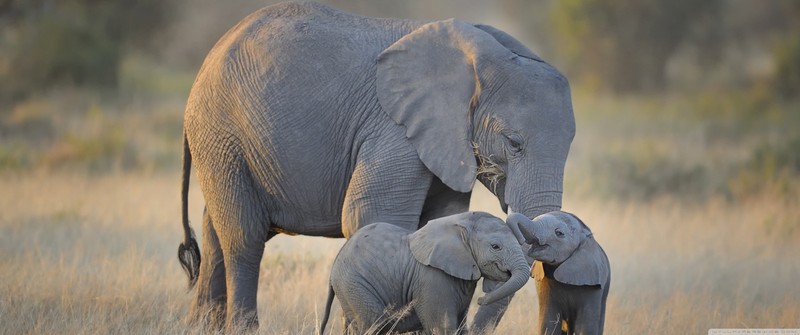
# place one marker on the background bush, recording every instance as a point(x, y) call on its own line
point(49, 43)
point(677, 97)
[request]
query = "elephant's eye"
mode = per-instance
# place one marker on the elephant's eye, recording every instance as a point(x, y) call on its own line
point(559, 233)
point(495, 246)
point(514, 143)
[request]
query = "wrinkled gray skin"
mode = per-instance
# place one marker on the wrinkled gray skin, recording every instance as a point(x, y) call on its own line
point(307, 120)
point(572, 272)
point(383, 268)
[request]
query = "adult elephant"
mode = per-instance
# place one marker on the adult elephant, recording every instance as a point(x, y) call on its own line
point(307, 120)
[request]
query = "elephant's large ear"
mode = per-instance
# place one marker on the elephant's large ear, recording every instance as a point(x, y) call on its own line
point(509, 42)
point(587, 266)
point(427, 82)
point(442, 244)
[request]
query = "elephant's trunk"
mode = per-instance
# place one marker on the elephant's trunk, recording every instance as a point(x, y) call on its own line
point(514, 221)
point(536, 211)
point(522, 225)
point(520, 273)
point(544, 196)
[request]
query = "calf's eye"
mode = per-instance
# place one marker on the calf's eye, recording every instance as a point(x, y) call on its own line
point(495, 246)
point(559, 233)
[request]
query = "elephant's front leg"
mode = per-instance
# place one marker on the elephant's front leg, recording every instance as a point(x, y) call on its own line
point(441, 301)
point(440, 316)
point(589, 319)
point(389, 185)
point(551, 318)
point(442, 201)
point(488, 316)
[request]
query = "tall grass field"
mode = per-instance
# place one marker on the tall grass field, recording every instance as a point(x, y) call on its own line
point(697, 209)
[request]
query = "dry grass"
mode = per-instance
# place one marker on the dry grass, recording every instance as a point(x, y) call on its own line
point(82, 254)
point(97, 255)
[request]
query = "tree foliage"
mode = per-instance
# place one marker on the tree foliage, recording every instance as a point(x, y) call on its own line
point(641, 46)
point(51, 42)
point(626, 44)
point(787, 55)
point(787, 66)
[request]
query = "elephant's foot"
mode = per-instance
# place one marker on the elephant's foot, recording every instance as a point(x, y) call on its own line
point(209, 316)
point(242, 323)
point(212, 318)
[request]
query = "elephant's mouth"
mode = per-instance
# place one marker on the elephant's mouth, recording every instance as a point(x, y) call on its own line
point(504, 273)
point(536, 246)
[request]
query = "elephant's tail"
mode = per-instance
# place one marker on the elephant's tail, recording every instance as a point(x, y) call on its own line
point(188, 251)
point(328, 304)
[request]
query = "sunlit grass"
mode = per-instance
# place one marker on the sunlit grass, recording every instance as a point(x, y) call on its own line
point(89, 253)
point(97, 255)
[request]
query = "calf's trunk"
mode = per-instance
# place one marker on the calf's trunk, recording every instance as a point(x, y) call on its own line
point(520, 273)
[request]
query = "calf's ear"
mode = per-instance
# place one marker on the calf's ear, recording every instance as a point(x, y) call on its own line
point(588, 265)
point(442, 244)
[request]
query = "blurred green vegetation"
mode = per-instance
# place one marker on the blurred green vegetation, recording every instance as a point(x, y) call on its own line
point(49, 43)
point(730, 145)
point(772, 166)
point(673, 98)
point(80, 130)
point(626, 44)
point(649, 46)
point(787, 65)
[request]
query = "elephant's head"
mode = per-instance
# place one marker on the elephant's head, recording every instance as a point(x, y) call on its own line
point(476, 102)
point(563, 241)
point(472, 244)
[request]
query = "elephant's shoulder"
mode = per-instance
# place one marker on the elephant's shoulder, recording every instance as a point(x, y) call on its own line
point(297, 9)
point(288, 20)
point(309, 19)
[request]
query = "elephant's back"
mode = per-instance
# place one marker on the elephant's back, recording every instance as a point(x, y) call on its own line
point(290, 43)
point(376, 258)
point(375, 245)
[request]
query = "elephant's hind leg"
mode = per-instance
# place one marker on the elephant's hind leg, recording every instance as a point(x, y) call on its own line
point(242, 251)
point(241, 223)
point(209, 304)
point(364, 313)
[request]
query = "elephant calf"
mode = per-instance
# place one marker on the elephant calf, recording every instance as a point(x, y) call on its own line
point(572, 272)
point(430, 273)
